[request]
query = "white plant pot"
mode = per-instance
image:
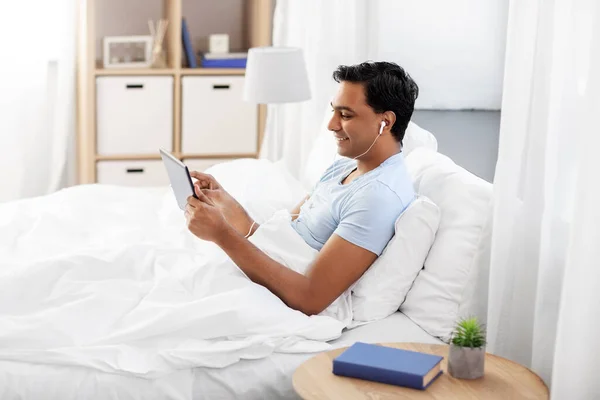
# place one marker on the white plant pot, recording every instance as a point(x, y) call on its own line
point(466, 362)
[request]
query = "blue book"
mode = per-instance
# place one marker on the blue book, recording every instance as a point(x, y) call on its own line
point(388, 365)
point(224, 63)
point(187, 45)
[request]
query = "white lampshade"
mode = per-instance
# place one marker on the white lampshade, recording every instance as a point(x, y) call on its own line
point(276, 75)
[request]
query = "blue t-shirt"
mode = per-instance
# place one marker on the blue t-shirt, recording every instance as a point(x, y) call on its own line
point(363, 212)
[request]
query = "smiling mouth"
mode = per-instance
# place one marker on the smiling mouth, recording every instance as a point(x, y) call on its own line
point(340, 139)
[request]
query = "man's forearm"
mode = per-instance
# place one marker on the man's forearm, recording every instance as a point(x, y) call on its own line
point(292, 288)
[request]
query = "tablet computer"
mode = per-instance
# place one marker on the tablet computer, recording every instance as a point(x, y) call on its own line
point(179, 175)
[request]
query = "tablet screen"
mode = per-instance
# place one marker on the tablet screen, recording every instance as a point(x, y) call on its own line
point(179, 175)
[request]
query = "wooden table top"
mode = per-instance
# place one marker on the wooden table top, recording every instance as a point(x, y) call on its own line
point(503, 379)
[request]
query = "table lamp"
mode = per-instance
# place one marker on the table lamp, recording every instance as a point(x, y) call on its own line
point(275, 75)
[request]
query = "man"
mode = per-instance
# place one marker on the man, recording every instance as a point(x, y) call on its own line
point(350, 215)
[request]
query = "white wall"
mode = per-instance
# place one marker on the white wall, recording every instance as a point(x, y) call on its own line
point(454, 49)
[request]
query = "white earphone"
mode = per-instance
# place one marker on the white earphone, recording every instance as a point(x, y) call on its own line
point(383, 124)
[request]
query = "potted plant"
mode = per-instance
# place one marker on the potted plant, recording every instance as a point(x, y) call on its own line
point(467, 350)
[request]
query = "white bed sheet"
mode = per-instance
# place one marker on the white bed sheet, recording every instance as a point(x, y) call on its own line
point(271, 378)
point(267, 378)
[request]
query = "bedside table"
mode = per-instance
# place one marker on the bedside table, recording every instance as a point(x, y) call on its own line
point(503, 379)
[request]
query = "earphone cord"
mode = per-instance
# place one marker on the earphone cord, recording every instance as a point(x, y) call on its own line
point(372, 144)
point(360, 155)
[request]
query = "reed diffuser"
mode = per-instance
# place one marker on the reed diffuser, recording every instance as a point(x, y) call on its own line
point(158, 32)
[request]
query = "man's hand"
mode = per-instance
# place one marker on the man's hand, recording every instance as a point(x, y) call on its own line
point(205, 181)
point(204, 219)
point(233, 211)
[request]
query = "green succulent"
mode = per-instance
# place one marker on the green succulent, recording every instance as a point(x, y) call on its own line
point(469, 333)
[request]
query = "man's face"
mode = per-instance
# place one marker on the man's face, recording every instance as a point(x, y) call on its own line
point(354, 123)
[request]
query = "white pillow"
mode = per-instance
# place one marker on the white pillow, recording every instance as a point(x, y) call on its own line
point(381, 290)
point(415, 137)
point(261, 186)
point(441, 290)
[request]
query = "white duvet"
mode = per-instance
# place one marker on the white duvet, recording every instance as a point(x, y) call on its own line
point(109, 278)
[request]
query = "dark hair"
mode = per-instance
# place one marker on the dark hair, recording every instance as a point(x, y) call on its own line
point(387, 88)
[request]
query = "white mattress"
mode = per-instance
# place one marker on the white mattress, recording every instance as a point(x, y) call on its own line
point(268, 378)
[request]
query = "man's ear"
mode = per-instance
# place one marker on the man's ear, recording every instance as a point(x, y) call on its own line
point(390, 119)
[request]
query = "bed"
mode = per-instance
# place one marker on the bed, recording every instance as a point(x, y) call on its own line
point(452, 282)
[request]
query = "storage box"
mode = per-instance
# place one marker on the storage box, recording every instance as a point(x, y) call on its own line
point(132, 173)
point(215, 119)
point(134, 114)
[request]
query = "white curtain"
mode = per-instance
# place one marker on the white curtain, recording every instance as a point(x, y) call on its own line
point(331, 33)
point(37, 96)
point(544, 294)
